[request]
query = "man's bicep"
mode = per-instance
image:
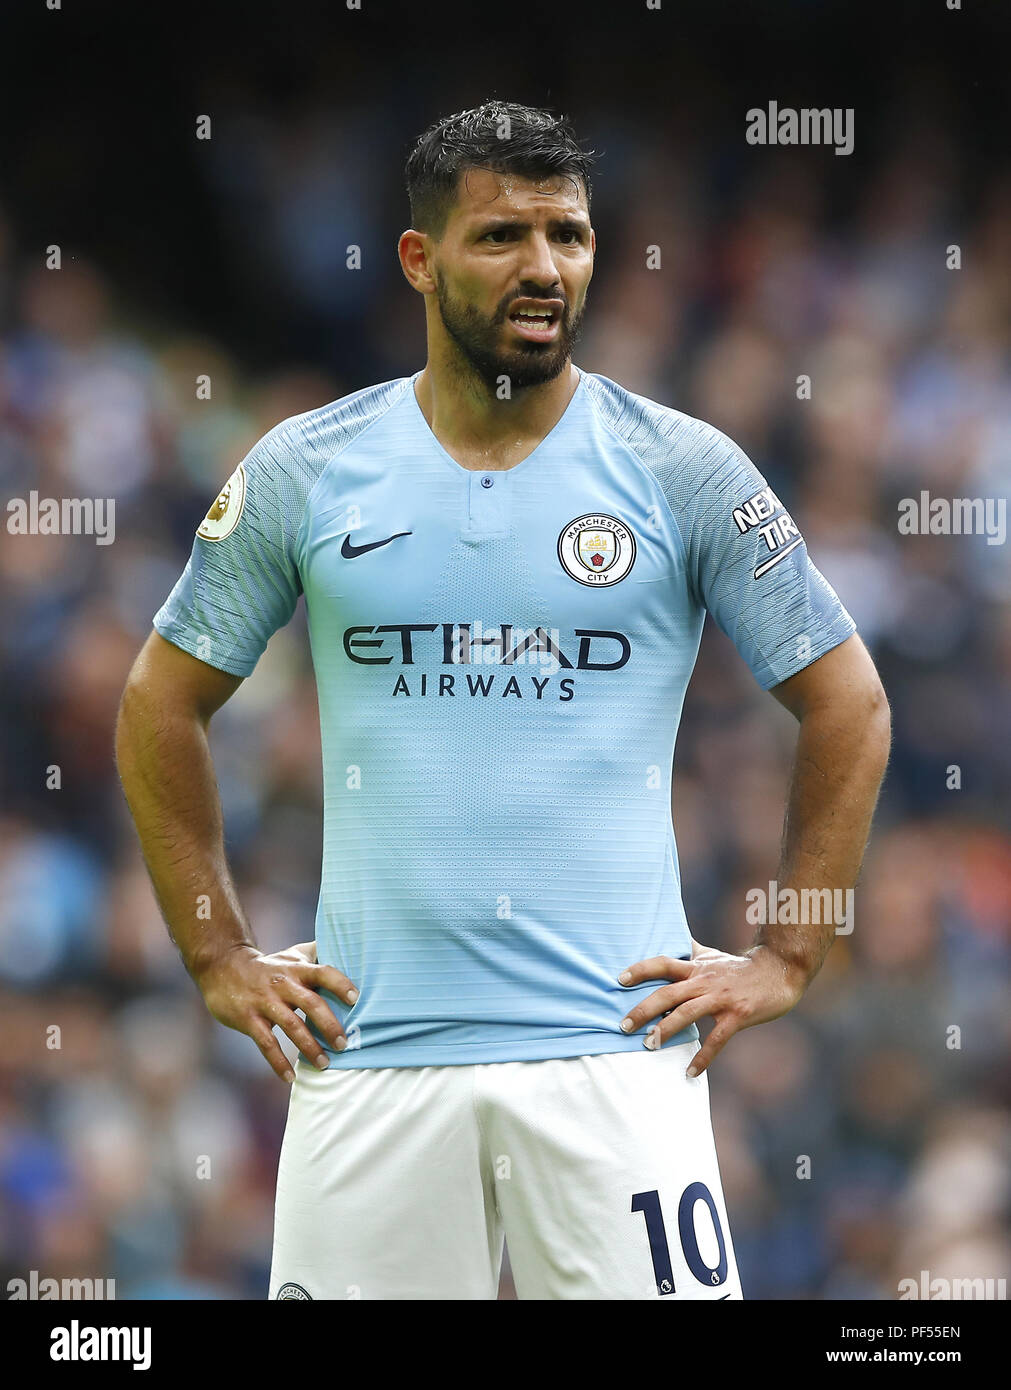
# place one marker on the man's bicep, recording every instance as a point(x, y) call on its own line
point(846, 673)
point(167, 675)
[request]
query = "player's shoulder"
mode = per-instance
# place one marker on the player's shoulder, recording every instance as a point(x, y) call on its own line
point(281, 470)
point(682, 451)
point(324, 432)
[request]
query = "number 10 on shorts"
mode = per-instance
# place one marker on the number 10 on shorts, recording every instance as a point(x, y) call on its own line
point(649, 1204)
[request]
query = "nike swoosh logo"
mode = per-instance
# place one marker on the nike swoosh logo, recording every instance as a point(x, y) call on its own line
point(349, 551)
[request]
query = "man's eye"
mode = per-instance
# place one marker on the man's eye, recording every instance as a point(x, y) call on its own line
point(498, 234)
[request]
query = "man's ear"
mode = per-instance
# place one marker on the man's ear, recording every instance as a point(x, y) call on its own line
point(415, 252)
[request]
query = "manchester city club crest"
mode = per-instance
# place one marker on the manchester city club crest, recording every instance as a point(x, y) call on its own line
point(296, 1292)
point(596, 549)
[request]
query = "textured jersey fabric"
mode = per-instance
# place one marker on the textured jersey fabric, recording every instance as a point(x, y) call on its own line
point(501, 661)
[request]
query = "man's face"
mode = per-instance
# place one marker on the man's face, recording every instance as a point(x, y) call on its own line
point(511, 272)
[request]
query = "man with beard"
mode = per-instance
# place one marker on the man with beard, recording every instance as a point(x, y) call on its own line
point(507, 562)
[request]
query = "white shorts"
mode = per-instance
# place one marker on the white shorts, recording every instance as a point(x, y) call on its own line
point(601, 1173)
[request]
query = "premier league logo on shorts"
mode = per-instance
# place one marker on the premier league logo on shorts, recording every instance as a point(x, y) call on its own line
point(596, 550)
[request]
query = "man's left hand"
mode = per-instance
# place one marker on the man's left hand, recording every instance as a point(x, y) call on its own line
point(737, 991)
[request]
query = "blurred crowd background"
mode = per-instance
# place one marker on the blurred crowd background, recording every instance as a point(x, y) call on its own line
point(226, 258)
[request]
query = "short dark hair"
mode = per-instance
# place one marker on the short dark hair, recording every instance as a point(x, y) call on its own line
point(539, 144)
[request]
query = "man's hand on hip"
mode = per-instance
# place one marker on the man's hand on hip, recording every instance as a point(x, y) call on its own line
point(737, 991)
point(252, 993)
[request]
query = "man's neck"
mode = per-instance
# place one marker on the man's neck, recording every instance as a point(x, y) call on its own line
point(478, 429)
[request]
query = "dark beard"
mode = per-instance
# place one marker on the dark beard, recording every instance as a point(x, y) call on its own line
point(528, 364)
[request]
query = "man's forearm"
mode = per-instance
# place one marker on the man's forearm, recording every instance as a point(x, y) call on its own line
point(165, 766)
point(842, 751)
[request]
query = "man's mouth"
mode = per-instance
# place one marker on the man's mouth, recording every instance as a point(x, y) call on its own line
point(539, 321)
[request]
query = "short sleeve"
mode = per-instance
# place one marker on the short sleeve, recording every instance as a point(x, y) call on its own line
point(750, 567)
point(242, 581)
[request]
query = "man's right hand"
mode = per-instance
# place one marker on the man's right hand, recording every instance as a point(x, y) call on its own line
point(253, 993)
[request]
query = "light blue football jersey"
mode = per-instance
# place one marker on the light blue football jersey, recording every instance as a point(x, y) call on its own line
point(501, 661)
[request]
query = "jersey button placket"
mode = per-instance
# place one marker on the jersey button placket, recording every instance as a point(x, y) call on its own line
point(489, 505)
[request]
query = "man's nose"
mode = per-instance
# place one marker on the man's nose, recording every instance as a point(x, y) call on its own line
point(539, 264)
